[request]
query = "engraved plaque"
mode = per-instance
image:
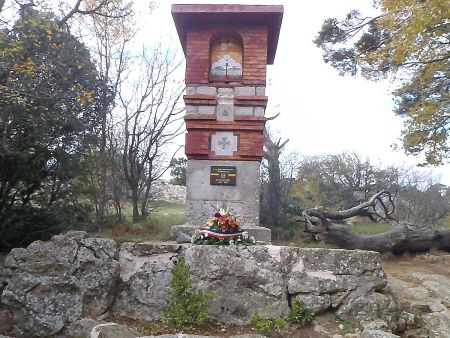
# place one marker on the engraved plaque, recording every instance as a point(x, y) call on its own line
point(223, 175)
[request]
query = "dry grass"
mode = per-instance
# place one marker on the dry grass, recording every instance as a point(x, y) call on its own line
point(155, 228)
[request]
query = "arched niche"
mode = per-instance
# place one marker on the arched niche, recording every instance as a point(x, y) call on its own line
point(226, 60)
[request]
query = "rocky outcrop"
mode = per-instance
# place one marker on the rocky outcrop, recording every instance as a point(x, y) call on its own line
point(145, 275)
point(89, 328)
point(425, 298)
point(55, 283)
point(244, 279)
point(166, 191)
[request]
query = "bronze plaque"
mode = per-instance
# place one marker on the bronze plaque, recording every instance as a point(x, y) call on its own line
point(223, 175)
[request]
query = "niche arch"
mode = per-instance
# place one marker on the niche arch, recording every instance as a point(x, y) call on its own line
point(226, 58)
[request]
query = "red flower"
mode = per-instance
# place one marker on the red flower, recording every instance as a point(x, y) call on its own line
point(217, 215)
point(222, 219)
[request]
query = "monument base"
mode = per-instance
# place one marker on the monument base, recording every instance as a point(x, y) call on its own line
point(183, 233)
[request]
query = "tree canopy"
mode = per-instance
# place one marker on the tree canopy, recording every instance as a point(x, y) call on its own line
point(47, 107)
point(409, 42)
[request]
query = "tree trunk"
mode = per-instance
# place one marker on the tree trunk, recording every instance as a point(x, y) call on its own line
point(406, 238)
point(135, 203)
point(272, 153)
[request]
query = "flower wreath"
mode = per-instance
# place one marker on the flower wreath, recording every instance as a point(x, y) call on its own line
point(222, 229)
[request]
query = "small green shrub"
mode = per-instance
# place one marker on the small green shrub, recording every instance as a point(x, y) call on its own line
point(299, 315)
point(263, 325)
point(280, 324)
point(187, 305)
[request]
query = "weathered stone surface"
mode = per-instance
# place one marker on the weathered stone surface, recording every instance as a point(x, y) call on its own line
point(378, 334)
point(206, 110)
point(260, 91)
point(182, 335)
point(225, 91)
point(47, 291)
point(244, 111)
point(191, 110)
point(202, 197)
point(438, 323)
point(437, 286)
point(89, 328)
point(191, 90)
point(259, 111)
point(263, 278)
point(145, 272)
point(57, 282)
point(6, 321)
point(206, 90)
point(349, 281)
point(245, 91)
point(225, 112)
point(163, 190)
point(425, 297)
point(241, 279)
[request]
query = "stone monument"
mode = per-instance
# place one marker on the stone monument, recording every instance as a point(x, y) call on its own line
point(227, 49)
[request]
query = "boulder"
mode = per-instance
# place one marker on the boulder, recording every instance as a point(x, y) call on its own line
point(378, 334)
point(263, 278)
point(426, 299)
point(89, 328)
point(241, 279)
point(145, 275)
point(351, 282)
point(57, 282)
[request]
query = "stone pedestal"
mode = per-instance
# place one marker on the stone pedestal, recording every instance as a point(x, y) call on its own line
point(202, 198)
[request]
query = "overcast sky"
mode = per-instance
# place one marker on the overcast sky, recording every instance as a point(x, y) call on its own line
point(321, 112)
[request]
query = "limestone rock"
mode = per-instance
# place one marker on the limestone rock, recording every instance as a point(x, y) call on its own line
point(438, 324)
point(89, 328)
point(425, 297)
point(378, 334)
point(241, 279)
point(166, 191)
point(57, 282)
point(145, 274)
point(353, 282)
point(52, 284)
point(438, 286)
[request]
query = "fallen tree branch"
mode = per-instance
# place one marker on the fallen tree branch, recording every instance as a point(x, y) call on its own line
point(405, 238)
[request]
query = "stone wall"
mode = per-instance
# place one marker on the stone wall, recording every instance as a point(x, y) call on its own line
point(52, 284)
point(166, 191)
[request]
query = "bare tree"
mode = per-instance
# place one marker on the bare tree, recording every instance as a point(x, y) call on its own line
point(109, 34)
point(152, 120)
point(274, 195)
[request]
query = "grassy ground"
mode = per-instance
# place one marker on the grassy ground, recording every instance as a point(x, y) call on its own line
point(369, 228)
point(155, 228)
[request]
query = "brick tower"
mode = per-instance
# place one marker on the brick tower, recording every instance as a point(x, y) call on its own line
point(227, 49)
